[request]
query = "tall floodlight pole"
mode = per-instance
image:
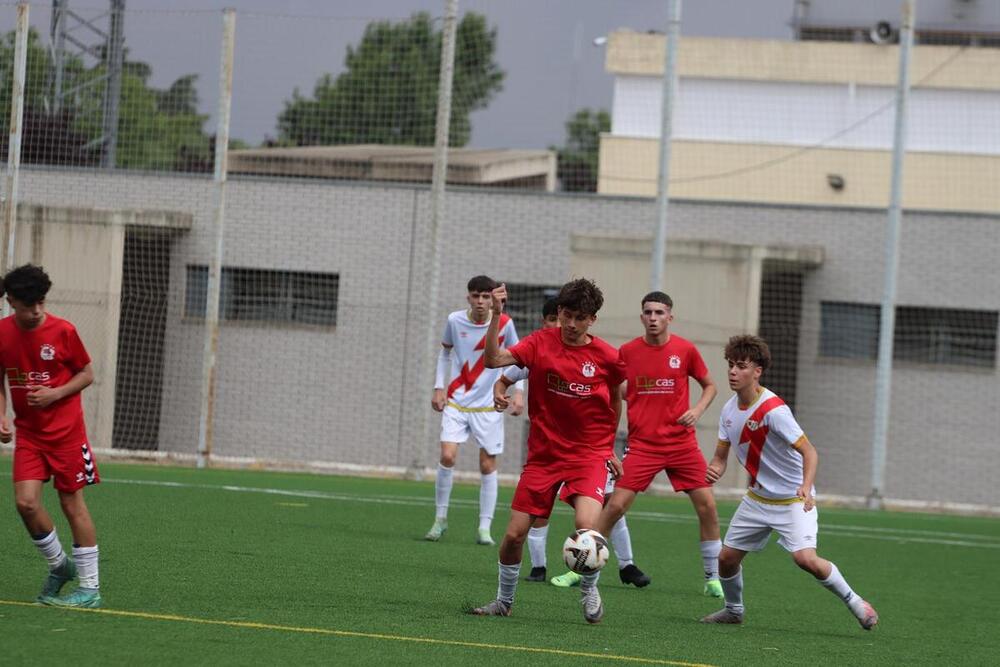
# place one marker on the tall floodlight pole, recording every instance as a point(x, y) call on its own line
point(14, 140)
point(887, 321)
point(115, 61)
point(443, 123)
point(666, 135)
point(205, 426)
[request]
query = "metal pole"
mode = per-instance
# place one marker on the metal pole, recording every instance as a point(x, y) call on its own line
point(438, 178)
point(58, 50)
point(666, 131)
point(215, 265)
point(14, 141)
point(887, 322)
point(114, 61)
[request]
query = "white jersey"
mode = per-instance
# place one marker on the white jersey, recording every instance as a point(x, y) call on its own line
point(766, 435)
point(516, 373)
point(471, 384)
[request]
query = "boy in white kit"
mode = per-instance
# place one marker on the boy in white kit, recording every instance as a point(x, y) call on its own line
point(782, 464)
point(463, 393)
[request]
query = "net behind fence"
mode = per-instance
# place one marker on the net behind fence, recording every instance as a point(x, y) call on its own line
point(327, 333)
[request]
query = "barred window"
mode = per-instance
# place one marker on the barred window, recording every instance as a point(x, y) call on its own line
point(265, 295)
point(951, 336)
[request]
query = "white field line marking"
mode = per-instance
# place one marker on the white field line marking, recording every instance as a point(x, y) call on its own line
point(887, 534)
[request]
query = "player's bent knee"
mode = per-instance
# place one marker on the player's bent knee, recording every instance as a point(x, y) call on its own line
point(27, 506)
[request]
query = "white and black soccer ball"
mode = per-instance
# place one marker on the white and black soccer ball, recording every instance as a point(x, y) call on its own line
point(585, 551)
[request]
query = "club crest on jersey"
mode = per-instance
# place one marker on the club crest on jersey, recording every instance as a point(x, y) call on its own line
point(753, 425)
point(588, 369)
point(675, 361)
point(48, 352)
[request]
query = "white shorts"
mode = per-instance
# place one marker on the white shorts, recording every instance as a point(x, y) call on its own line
point(485, 426)
point(751, 526)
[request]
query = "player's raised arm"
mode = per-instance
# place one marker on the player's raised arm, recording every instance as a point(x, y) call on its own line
point(495, 356)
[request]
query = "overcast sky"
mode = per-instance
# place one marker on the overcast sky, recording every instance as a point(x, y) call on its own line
point(545, 47)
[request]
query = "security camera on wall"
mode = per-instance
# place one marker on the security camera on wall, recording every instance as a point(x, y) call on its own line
point(881, 33)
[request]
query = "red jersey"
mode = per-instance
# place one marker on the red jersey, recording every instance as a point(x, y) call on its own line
point(657, 393)
point(569, 396)
point(48, 355)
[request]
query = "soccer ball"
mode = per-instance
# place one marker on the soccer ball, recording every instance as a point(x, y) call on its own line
point(585, 551)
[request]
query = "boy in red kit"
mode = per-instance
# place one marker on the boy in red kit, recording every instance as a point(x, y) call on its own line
point(573, 406)
point(661, 423)
point(47, 366)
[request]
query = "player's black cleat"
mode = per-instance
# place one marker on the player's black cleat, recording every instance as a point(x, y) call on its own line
point(630, 574)
point(537, 574)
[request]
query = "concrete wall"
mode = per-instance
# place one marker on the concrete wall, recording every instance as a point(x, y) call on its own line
point(359, 393)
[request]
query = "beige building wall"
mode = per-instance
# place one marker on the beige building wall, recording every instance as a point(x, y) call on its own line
point(715, 288)
point(82, 253)
point(736, 172)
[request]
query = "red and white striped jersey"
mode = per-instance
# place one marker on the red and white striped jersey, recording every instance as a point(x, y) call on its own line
point(766, 436)
point(471, 383)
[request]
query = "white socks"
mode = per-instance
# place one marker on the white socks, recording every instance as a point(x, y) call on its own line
point(589, 581)
point(50, 547)
point(487, 500)
point(508, 582)
point(442, 490)
point(622, 543)
point(86, 566)
point(710, 558)
point(732, 588)
point(837, 585)
point(536, 545)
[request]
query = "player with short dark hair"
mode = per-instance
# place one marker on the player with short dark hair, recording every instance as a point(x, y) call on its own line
point(661, 426)
point(782, 465)
point(574, 405)
point(46, 367)
point(463, 393)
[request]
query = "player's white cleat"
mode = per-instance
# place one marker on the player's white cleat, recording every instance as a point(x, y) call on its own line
point(495, 608)
point(485, 538)
point(724, 615)
point(437, 530)
point(869, 618)
point(593, 606)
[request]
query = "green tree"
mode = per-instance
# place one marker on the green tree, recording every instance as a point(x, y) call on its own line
point(388, 93)
point(157, 129)
point(577, 160)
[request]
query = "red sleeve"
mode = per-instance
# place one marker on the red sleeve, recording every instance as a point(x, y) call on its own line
point(76, 354)
point(525, 351)
point(616, 370)
point(696, 365)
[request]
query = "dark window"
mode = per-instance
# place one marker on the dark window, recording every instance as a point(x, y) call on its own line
point(264, 295)
point(524, 305)
point(848, 330)
point(946, 336)
point(780, 315)
point(927, 335)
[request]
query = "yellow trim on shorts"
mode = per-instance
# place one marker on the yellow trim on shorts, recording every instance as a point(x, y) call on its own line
point(462, 408)
point(774, 501)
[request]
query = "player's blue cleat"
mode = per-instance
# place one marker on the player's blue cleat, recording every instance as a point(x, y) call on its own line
point(57, 579)
point(437, 530)
point(566, 580)
point(81, 598)
point(713, 588)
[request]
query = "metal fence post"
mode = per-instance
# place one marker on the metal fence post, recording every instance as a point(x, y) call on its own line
point(215, 265)
point(14, 142)
point(887, 321)
point(438, 179)
point(666, 136)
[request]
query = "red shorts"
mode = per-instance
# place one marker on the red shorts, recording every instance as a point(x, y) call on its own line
point(685, 466)
point(72, 467)
point(536, 490)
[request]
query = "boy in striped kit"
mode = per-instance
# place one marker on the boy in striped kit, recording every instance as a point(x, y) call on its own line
point(782, 465)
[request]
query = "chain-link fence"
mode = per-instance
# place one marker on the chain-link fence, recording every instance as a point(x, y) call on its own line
point(321, 222)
